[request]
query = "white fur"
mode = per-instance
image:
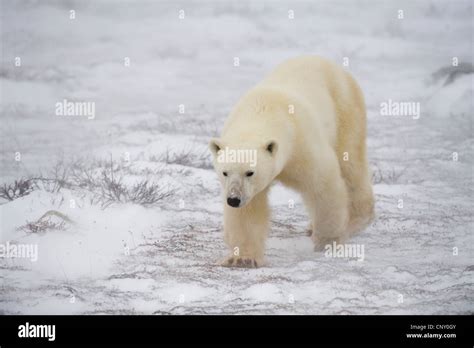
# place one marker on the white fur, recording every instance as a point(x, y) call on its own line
point(313, 113)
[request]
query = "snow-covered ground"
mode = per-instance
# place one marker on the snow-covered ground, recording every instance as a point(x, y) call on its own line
point(102, 256)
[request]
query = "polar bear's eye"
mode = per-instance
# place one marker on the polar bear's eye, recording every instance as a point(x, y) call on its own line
point(224, 173)
point(249, 173)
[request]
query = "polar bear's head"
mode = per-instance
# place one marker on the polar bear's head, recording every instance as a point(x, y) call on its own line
point(243, 169)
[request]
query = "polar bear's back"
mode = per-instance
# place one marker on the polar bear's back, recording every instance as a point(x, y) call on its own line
point(310, 76)
point(326, 88)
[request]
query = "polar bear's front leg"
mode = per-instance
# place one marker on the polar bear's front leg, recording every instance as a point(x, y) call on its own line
point(245, 232)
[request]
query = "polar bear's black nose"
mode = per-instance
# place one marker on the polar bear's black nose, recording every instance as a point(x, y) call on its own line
point(233, 202)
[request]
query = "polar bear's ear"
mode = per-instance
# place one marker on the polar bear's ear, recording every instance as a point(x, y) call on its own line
point(271, 147)
point(215, 146)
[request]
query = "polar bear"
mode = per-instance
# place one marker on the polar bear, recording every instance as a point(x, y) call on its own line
point(304, 125)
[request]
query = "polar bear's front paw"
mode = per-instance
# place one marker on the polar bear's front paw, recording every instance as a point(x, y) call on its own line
point(237, 261)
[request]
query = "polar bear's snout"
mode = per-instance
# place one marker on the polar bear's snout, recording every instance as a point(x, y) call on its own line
point(233, 202)
point(234, 197)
